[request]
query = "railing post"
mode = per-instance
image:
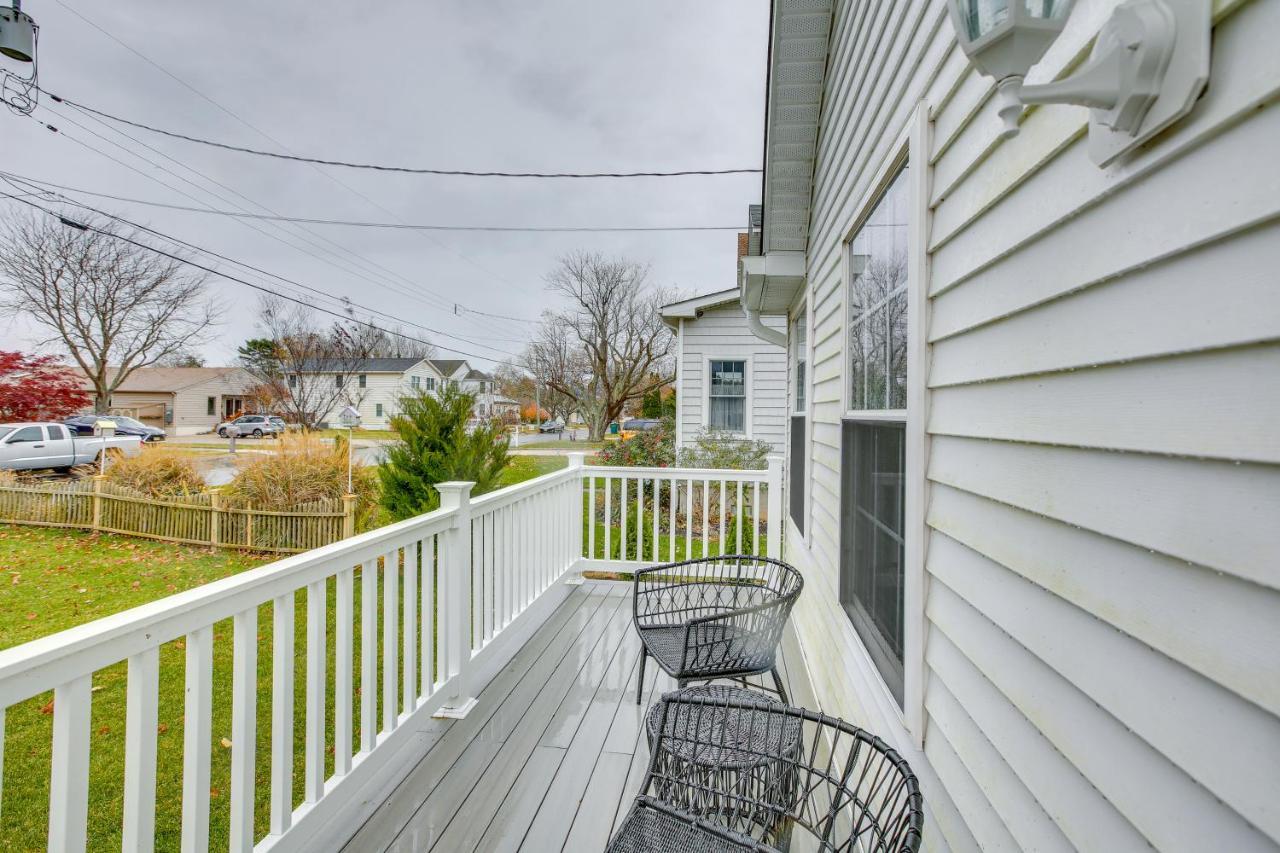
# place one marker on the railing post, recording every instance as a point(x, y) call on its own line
point(348, 516)
point(215, 517)
point(455, 603)
point(98, 480)
point(577, 460)
point(774, 521)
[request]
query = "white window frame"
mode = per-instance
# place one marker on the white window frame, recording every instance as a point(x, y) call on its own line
point(747, 379)
point(804, 309)
point(912, 149)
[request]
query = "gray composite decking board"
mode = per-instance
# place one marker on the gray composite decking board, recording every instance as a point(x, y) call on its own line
point(477, 796)
point(558, 636)
point(554, 753)
point(569, 785)
point(656, 683)
point(593, 823)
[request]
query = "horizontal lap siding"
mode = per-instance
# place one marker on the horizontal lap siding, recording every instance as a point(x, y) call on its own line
point(723, 331)
point(1103, 599)
point(1104, 603)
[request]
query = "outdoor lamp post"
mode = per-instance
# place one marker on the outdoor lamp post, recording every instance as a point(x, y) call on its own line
point(349, 417)
point(1149, 63)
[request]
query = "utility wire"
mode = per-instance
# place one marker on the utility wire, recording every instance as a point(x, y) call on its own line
point(378, 167)
point(408, 226)
point(339, 263)
point(326, 175)
point(214, 271)
point(343, 301)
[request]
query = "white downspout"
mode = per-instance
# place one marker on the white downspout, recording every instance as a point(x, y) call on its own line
point(761, 331)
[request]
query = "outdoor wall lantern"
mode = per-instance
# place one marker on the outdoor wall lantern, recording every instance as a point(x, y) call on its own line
point(1149, 64)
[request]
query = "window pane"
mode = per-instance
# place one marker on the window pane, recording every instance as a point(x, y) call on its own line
point(878, 304)
point(727, 413)
point(871, 553)
point(728, 378)
point(896, 312)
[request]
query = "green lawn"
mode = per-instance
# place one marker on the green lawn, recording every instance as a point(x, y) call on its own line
point(523, 468)
point(61, 578)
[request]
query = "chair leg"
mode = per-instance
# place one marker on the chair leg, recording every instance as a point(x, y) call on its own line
point(640, 678)
point(782, 691)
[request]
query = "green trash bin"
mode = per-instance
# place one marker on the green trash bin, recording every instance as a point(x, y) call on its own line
point(613, 428)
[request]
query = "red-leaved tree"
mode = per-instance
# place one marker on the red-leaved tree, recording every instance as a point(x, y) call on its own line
point(37, 388)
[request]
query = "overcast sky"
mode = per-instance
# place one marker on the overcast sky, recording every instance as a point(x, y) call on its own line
point(499, 84)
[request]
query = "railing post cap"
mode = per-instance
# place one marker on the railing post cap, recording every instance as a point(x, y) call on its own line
point(577, 459)
point(454, 493)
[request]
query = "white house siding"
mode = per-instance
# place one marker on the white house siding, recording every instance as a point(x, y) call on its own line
point(722, 332)
point(1102, 592)
point(380, 388)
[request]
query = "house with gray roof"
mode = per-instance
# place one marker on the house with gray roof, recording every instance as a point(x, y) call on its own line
point(374, 386)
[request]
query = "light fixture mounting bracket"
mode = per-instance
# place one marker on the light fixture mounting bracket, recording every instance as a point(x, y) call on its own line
point(1163, 51)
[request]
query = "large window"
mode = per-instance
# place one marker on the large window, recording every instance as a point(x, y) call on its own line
point(727, 396)
point(798, 456)
point(873, 457)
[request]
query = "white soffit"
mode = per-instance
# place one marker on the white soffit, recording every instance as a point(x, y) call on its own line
point(798, 62)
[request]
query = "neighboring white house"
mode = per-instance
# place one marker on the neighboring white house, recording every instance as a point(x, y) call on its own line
point(489, 403)
point(727, 379)
point(1035, 484)
point(374, 386)
point(182, 400)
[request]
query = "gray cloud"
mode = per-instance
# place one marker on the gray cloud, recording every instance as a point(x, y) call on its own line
point(548, 85)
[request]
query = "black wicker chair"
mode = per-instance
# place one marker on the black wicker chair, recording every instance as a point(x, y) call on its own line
point(715, 617)
point(745, 776)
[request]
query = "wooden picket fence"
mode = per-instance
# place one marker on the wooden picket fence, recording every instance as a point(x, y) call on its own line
point(204, 519)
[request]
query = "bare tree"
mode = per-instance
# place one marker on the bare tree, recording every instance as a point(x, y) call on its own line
point(307, 368)
point(396, 343)
point(610, 346)
point(114, 305)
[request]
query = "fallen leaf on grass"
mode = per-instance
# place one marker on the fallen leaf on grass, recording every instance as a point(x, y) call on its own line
point(162, 728)
point(30, 616)
point(103, 730)
point(47, 708)
point(226, 743)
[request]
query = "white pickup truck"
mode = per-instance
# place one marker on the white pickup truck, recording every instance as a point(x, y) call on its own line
point(50, 445)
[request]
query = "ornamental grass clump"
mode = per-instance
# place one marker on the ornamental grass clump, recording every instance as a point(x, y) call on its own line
point(303, 469)
point(156, 472)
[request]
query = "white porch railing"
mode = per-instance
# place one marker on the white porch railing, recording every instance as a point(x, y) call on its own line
point(424, 612)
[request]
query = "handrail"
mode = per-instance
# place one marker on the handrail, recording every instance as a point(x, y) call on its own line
point(38, 665)
point(749, 475)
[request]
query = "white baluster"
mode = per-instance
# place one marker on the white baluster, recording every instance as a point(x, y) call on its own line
point(344, 617)
point(317, 613)
point(390, 638)
point(428, 550)
point(410, 626)
point(244, 728)
point(141, 714)
point(281, 713)
point(368, 655)
point(196, 734)
point(69, 779)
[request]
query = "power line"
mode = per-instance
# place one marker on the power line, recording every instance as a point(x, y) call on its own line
point(378, 167)
point(407, 226)
point(323, 173)
point(343, 301)
point(214, 271)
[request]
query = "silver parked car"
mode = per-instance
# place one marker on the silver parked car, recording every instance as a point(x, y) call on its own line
point(254, 425)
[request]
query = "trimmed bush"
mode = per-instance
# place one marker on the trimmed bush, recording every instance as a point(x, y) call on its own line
point(435, 447)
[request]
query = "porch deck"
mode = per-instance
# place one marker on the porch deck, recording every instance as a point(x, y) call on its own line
point(553, 753)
